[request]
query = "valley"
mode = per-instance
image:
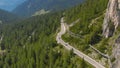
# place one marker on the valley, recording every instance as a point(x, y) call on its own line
point(61, 34)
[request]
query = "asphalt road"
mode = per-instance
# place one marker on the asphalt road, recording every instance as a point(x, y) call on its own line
point(77, 52)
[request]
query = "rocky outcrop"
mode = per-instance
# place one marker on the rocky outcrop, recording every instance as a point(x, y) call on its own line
point(112, 18)
point(110, 25)
point(116, 53)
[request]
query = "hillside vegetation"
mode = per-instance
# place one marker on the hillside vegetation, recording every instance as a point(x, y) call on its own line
point(31, 44)
point(91, 18)
point(88, 31)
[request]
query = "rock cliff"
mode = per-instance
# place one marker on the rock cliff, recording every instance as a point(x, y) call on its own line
point(110, 25)
point(112, 18)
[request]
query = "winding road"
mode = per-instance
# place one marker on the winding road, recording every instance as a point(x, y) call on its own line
point(69, 47)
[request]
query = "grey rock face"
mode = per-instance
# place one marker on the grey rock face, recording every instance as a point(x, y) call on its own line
point(112, 18)
point(111, 23)
point(116, 50)
point(116, 53)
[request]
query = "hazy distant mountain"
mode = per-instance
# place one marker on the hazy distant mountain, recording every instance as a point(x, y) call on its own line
point(6, 17)
point(29, 7)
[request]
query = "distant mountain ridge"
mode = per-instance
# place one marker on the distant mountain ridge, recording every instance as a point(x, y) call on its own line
point(29, 7)
point(6, 17)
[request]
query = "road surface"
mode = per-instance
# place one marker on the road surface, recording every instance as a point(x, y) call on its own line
point(77, 52)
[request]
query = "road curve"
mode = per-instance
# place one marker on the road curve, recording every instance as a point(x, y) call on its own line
point(69, 47)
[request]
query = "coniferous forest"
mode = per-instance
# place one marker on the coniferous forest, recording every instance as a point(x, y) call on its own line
point(31, 42)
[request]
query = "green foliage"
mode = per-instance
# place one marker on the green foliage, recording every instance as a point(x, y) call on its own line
point(89, 27)
point(31, 44)
point(113, 59)
point(103, 45)
point(85, 12)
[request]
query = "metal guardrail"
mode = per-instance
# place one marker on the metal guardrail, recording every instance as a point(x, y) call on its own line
point(104, 55)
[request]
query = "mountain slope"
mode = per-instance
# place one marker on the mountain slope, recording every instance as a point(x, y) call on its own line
point(29, 7)
point(28, 44)
point(6, 17)
point(99, 26)
point(32, 38)
point(111, 28)
point(88, 31)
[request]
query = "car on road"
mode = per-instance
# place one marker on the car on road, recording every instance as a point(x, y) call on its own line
point(66, 44)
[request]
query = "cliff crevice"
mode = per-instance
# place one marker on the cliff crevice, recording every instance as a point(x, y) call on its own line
point(112, 18)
